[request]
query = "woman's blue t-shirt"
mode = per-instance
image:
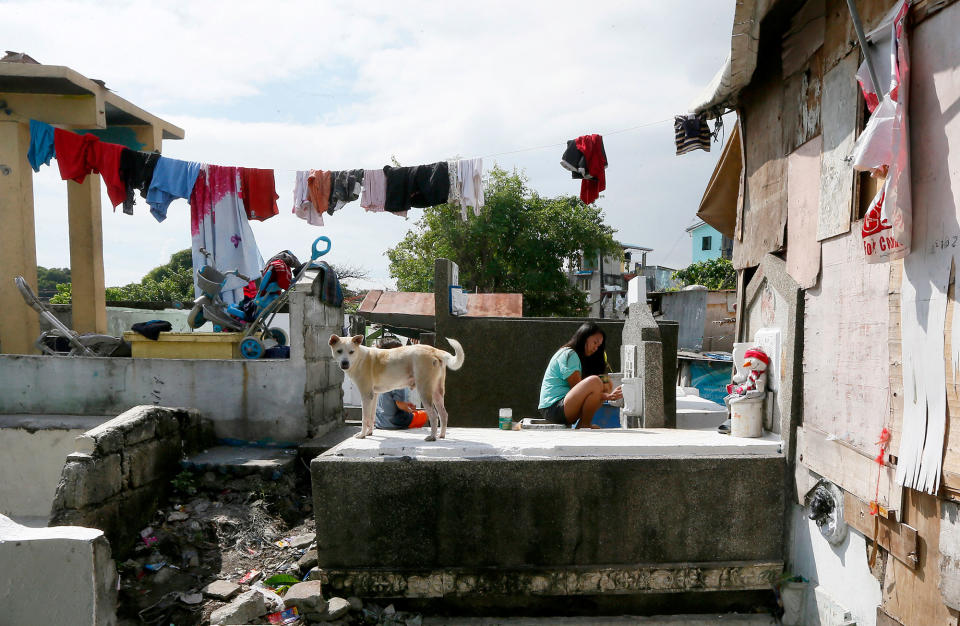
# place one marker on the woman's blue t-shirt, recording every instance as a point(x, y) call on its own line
point(555, 386)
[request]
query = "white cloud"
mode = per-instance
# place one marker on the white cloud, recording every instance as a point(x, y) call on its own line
point(420, 80)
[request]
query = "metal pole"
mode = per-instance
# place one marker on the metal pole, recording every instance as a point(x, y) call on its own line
point(857, 26)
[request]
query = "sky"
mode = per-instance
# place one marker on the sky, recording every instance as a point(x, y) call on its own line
point(340, 85)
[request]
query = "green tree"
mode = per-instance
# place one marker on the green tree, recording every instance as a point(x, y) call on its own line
point(47, 279)
point(712, 274)
point(520, 243)
point(171, 282)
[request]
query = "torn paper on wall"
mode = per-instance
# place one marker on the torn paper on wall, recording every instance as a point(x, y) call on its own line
point(883, 149)
point(923, 315)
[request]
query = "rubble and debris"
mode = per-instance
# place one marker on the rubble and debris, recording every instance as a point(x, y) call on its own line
point(221, 590)
point(246, 607)
point(307, 597)
point(234, 550)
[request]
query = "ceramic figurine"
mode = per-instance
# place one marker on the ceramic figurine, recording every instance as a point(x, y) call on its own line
point(751, 380)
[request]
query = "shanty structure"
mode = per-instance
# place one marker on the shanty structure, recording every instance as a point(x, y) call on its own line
point(866, 395)
point(64, 98)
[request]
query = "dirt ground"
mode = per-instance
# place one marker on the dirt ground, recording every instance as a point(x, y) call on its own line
point(218, 527)
point(214, 527)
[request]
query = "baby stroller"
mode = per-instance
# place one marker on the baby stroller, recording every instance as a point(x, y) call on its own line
point(61, 340)
point(254, 316)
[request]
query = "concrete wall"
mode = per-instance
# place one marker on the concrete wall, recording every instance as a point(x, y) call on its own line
point(689, 309)
point(273, 401)
point(122, 469)
point(61, 575)
point(34, 450)
point(701, 314)
point(839, 575)
point(498, 512)
point(505, 358)
point(120, 319)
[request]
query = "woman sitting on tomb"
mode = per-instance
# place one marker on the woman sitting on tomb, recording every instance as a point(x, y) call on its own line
point(575, 383)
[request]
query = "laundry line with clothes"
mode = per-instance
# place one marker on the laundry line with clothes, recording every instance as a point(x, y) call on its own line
point(223, 199)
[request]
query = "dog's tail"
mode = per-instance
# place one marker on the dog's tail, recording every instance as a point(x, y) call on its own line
point(454, 361)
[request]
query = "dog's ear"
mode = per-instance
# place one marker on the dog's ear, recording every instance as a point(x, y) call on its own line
point(357, 339)
point(334, 339)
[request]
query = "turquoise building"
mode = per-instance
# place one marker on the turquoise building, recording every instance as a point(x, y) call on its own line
point(708, 243)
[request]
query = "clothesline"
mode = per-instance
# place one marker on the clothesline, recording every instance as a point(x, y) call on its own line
point(532, 148)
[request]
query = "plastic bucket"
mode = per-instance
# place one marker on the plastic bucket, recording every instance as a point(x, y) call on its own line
point(746, 418)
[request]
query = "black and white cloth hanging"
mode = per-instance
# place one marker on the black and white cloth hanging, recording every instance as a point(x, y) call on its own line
point(691, 133)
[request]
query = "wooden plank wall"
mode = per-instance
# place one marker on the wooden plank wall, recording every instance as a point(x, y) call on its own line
point(764, 212)
point(803, 249)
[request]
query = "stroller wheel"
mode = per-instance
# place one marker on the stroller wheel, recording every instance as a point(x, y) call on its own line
point(251, 348)
point(278, 335)
point(196, 318)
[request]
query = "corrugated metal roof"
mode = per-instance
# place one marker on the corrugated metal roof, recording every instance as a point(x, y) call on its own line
point(417, 309)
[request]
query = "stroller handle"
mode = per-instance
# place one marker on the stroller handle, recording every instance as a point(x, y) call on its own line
point(316, 254)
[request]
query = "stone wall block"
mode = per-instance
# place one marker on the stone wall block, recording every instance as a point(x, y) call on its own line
point(83, 484)
point(334, 319)
point(650, 363)
point(315, 344)
point(332, 404)
point(151, 460)
point(107, 441)
point(139, 430)
point(317, 376)
point(167, 425)
point(314, 312)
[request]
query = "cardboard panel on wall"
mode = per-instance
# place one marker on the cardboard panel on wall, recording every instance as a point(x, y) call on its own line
point(764, 213)
point(803, 197)
point(838, 115)
point(845, 352)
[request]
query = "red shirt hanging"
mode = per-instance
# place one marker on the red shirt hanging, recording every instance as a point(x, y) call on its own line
point(592, 148)
point(258, 190)
point(79, 155)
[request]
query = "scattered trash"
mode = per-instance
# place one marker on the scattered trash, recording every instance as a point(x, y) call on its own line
point(280, 582)
point(250, 577)
point(148, 537)
point(190, 598)
point(155, 567)
point(283, 543)
point(178, 516)
point(287, 616)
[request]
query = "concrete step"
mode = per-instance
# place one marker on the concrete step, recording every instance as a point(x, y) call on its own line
point(33, 423)
point(243, 461)
point(312, 448)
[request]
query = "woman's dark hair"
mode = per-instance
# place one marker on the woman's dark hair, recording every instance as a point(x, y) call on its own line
point(595, 364)
point(390, 342)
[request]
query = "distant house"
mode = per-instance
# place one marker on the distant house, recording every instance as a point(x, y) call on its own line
point(604, 279)
point(709, 243)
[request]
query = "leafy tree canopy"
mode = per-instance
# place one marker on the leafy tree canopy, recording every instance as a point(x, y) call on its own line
point(47, 279)
point(712, 274)
point(520, 243)
point(171, 282)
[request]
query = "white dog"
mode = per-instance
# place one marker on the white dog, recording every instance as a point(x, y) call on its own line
point(419, 367)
